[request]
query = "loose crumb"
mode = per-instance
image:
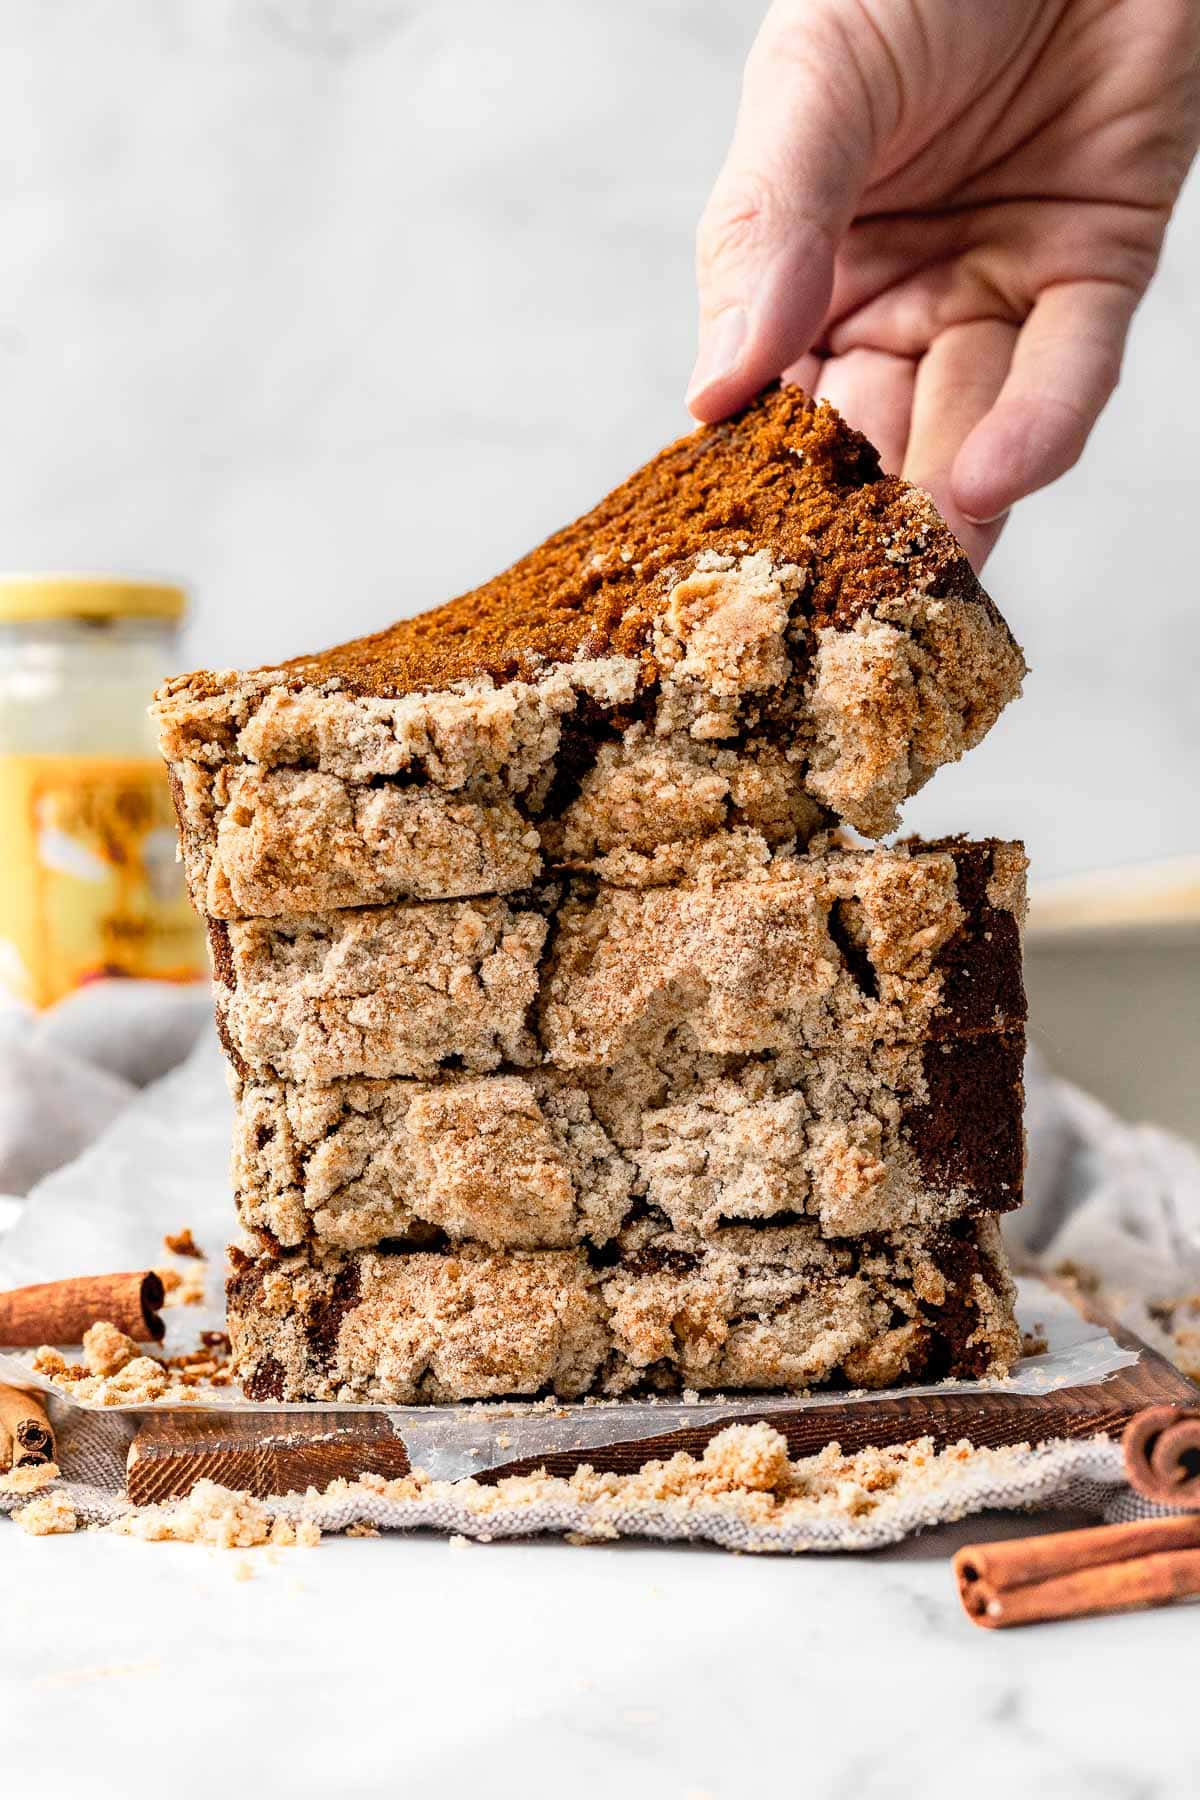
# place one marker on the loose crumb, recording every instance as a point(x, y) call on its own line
point(744, 1474)
point(1179, 1318)
point(49, 1515)
point(106, 1350)
point(1086, 1280)
point(53, 1364)
point(182, 1243)
point(215, 1515)
point(116, 1372)
point(181, 1290)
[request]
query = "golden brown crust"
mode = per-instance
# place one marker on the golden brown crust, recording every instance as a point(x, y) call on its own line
point(753, 630)
point(787, 474)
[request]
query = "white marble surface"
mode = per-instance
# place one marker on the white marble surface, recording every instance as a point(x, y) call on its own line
point(335, 308)
point(523, 1671)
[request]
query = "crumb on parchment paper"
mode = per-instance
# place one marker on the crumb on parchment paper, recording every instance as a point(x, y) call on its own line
point(117, 1372)
point(140, 1379)
point(745, 1473)
point(106, 1350)
point(1176, 1316)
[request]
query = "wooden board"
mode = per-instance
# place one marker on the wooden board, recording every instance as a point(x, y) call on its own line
point(258, 1453)
point(266, 1453)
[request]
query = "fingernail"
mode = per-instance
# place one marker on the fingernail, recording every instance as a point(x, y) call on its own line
point(989, 518)
point(720, 350)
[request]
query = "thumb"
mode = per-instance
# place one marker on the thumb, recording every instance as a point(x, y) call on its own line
point(801, 153)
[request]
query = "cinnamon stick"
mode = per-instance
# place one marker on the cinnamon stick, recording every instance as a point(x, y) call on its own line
point(1113, 1587)
point(1161, 1446)
point(1069, 1574)
point(59, 1312)
point(25, 1427)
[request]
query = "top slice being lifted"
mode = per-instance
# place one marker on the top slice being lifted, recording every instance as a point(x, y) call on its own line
point(756, 635)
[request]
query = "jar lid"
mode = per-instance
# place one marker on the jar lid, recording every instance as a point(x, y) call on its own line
point(88, 597)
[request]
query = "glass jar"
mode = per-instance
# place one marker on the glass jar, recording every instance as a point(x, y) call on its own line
point(89, 881)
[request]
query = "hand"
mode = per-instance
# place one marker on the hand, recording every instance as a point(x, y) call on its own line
point(941, 214)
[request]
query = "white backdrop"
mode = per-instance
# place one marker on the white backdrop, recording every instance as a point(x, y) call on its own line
point(333, 309)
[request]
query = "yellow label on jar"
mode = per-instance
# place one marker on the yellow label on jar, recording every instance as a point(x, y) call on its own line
point(89, 884)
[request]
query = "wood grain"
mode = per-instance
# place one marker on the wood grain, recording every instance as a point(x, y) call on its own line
point(257, 1453)
point(986, 1419)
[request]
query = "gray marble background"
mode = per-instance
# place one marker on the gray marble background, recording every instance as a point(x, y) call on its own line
point(333, 307)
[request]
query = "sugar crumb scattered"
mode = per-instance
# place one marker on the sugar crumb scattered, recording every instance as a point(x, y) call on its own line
point(48, 1515)
point(744, 1474)
point(107, 1350)
point(117, 1372)
point(215, 1515)
point(181, 1290)
point(182, 1243)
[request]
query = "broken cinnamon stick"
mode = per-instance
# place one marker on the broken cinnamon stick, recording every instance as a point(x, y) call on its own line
point(23, 1423)
point(1161, 1446)
point(59, 1312)
point(1070, 1574)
